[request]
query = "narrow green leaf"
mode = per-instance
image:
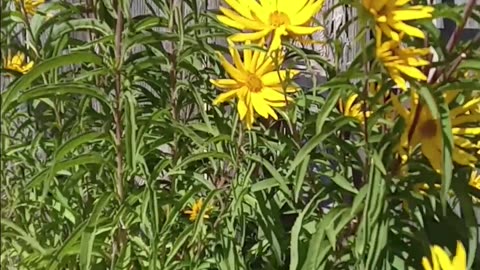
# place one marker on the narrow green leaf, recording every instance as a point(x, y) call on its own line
point(131, 131)
point(313, 143)
point(275, 174)
point(12, 93)
point(76, 141)
point(330, 103)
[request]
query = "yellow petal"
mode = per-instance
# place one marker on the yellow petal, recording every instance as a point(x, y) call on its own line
point(249, 24)
point(470, 118)
point(272, 95)
point(274, 78)
point(410, 14)
point(277, 39)
point(426, 264)
point(235, 56)
point(412, 72)
point(463, 158)
point(306, 13)
point(229, 22)
point(241, 9)
point(443, 258)
point(460, 259)
point(241, 108)
point(466, 131)
point(465, 107)
point(231, 70)
point(303, 30)
point(408, 29)
point(225, 83)
point(242, 37)
point(223, 97)
point(259, 105)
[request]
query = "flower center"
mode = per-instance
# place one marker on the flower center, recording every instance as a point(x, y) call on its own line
point(428, 129)
point(253, 83)
point(278, 18)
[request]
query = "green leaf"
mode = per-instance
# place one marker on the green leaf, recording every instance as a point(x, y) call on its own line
point(295, 251)
point(330, 103)
point(13, 92)
point(75, 142)
point(31, 241)
point(275, 174)
point(300, 178)
point(447, 153)
point(131, 131)
point(45, 91)
point(426, 94)
point(83, 24)
point(88, 235)
point(200, 156)
point(313, 143)
point(63, 165)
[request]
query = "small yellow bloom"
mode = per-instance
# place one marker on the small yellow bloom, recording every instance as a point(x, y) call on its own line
point(390, 16)
point(195, 211)
point(400, 61)
point(282, 17)
point(16, 63)
point(475, 183)
point(441, 260)
point(427, 132)
point(30, 5)
point(255, 82)
point(352, 108)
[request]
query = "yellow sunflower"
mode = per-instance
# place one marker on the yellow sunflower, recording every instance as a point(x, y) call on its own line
point(195, 210)
point(282, 17)
point(400, 61)
point(441, 260)
point(16, 63)
point(255, 82)
point(30, 5)
point(390, 16)
point(352, 108)
point(427, 131)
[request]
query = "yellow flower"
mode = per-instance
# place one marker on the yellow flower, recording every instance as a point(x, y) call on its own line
point(30, 5)
point(255, 82)
point(400, 61)
point(16, 63)
point(475, 183)
point(195, 211)
point(282, 17)
point(427, 131)
point(390, 16)
point(353, 109)
point(441, 260)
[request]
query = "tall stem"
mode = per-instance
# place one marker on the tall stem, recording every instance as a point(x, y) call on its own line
point(121, 236)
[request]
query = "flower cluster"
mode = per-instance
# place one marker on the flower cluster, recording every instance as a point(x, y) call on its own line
point(390, 29)
point(257, 79)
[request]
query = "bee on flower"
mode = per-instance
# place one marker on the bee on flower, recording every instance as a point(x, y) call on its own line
point(17, 63)
point(30, 6)
point(276, 18)
point(255, 82)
